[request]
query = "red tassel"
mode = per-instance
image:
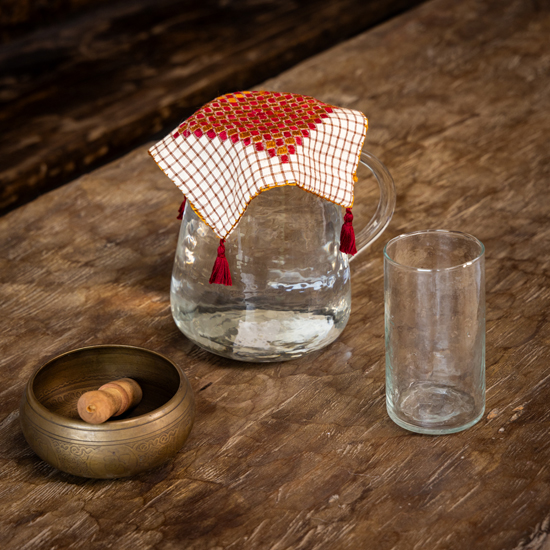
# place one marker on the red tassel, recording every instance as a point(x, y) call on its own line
point(347, 235)
point(182, 208)
point(220, 273)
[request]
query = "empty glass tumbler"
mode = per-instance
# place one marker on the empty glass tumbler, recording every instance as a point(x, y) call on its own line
point(434, 288)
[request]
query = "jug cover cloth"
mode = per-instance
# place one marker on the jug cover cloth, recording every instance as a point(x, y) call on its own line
point(243, 143)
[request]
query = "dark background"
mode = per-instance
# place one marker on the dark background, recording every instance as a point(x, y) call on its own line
point(83, 82)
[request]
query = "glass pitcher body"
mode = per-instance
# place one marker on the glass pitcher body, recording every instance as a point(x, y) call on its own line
point(291, 291)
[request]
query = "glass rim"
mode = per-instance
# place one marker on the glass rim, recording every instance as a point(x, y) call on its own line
point(427, 231)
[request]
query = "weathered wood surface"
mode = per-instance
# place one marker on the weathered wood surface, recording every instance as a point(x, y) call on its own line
point(302, 454)
point(96, 86)
point(19, 17)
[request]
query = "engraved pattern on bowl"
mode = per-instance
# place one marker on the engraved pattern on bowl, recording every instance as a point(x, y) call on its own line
point(136, 441)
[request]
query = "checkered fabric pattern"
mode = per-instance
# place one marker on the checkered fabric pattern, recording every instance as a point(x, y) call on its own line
point(243, 143)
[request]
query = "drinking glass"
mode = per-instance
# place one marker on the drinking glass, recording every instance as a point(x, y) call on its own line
point(434, 289)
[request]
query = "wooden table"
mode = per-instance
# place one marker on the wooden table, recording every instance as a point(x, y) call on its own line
point(302, 454)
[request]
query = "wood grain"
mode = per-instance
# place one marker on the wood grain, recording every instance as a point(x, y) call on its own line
point(95, 86)
point(19, 17)
point(302, 455)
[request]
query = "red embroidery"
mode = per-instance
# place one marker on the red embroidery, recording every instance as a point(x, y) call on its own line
point(269, 121)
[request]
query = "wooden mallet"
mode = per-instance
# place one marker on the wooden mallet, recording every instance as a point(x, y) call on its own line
point(112, 399)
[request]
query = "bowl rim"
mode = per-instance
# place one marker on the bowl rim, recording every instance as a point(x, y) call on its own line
point(113, 425)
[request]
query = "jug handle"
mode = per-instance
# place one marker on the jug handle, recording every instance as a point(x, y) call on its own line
point(385, 208)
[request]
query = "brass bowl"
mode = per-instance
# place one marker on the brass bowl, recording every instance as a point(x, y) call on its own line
point(139, 439)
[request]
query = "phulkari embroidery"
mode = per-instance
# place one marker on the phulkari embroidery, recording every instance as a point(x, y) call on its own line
point(272, 122)
point(243, 143)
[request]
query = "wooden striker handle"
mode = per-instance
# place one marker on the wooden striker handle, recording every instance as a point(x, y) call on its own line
point(112, 399)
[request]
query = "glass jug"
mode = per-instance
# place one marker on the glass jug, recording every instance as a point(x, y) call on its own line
point(291, 291)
